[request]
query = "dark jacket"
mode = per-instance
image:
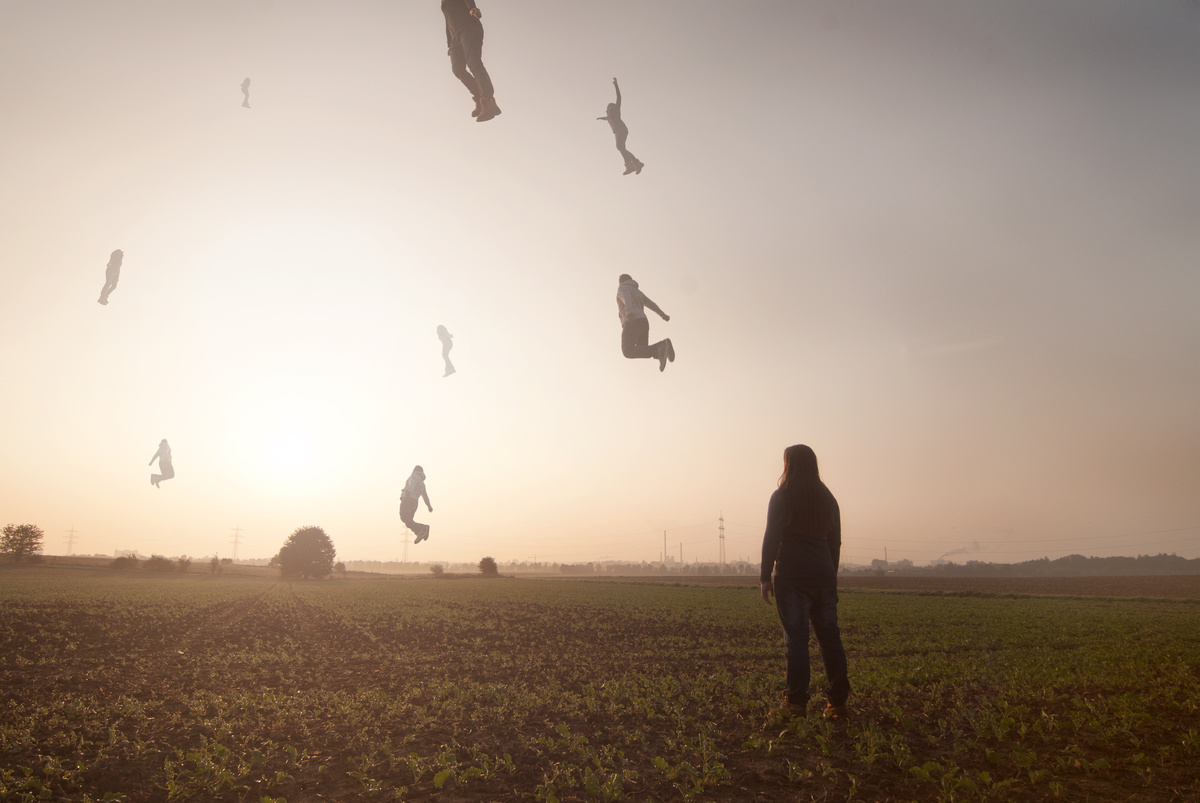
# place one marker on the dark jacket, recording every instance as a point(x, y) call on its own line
point(810, 558)
point(458, 18)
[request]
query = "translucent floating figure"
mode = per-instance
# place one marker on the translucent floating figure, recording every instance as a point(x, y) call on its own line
point(414, 490)
point(447, 344)
point(621, 131)
point(112, 275)
point(166, 470)
point(635, 327)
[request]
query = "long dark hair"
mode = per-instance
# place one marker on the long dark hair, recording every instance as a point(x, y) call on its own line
point(808, 504)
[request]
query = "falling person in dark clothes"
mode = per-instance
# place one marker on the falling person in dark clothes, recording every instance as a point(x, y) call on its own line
point(163, 456)
point(621, 131)
point(801, 549)
point(635, 327)
point(112, 275)
point(464, 45)
point(414, 491)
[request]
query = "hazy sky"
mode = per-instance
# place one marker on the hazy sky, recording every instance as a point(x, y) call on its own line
point(951, 246)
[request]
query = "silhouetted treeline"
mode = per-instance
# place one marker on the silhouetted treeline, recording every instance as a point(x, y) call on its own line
point(1070, 566)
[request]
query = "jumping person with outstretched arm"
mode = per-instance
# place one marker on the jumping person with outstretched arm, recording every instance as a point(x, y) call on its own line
point(112, 274)
point(635, 326)
point(621, 131)
point(163, 456)
point(801, 549)
point(414, 490)
point(464, 45)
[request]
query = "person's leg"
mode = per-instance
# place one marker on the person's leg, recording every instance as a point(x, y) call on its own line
point(168, 471)
point(824, 621)
point(793, 607)
point(458, 65)
point(472, 53)
point(408, 507)
point(635, 335)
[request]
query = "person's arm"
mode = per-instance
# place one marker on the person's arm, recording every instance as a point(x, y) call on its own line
point(646, 302)
point(425, 496)
point(156, 454)
point(834, 539)
point(618, 88)
point(772, 538)
point(473, 10)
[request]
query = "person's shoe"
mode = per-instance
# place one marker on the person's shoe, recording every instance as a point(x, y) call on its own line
point(629, 168)
point(790, 709)
point(836, 713)
point(103, 301)
point(638, 168)
point(670, 350)
point(487, 110)
point(477, 108)
point(449, 371)
point(662, 359)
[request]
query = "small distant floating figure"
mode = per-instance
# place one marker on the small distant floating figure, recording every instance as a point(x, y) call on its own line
point(447, 344)
point(632, 165)
point(464, 45)
point(163, 456)
point(112, 274)
point(246, 94)
point(635, 326)
point(414, 490)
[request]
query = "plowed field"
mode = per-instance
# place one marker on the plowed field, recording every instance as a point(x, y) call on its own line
point(137, 687)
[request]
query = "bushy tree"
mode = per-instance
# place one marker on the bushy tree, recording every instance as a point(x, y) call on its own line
point(184, 563)
point(124, 562)
point(307, 552)
point(488, 567)
point(21, 541)
point(158, 563)
point(438, 570)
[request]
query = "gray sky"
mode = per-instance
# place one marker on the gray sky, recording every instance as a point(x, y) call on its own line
point(950, 246)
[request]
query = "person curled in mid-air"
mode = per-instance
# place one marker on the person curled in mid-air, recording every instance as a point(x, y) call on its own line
point(635, 326)
point(621, 131)
point(447, 343)
point(414, 491)
point(163, 456)
point(112, 275)
point(464, 45)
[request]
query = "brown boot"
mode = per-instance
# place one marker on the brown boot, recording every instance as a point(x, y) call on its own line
point(477, 107)
point(487, 110)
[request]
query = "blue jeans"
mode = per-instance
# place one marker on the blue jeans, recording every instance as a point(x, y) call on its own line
point(798, 604)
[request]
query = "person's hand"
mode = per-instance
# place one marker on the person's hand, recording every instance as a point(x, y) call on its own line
point(430, 508)
point(666, 317)
point(476, 13)
point(766, 590)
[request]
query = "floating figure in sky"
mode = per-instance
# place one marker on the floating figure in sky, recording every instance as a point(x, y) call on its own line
point(447, 344)
point(801, 549)
point(464, 45)
point(414, 490)
point(246, 94)
point(112, 274)
point(635, 327)
point(163, 456)
point(632, 165)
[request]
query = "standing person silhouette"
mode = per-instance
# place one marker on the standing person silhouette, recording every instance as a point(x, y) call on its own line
point(635, 326)
point(802, 546)
point(414, 490)
point(163, 456)
point(246, 94)
point(447, 344)
point(464, 45)
point(112, 274)
point(632, 165)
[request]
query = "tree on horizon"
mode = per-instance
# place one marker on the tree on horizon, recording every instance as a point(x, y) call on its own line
point(307, 552)
point(21, 541)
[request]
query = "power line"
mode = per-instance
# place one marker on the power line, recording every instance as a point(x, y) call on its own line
point(237, 537)
point(71, 540)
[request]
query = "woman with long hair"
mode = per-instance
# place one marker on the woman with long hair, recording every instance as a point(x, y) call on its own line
point(801, 549)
